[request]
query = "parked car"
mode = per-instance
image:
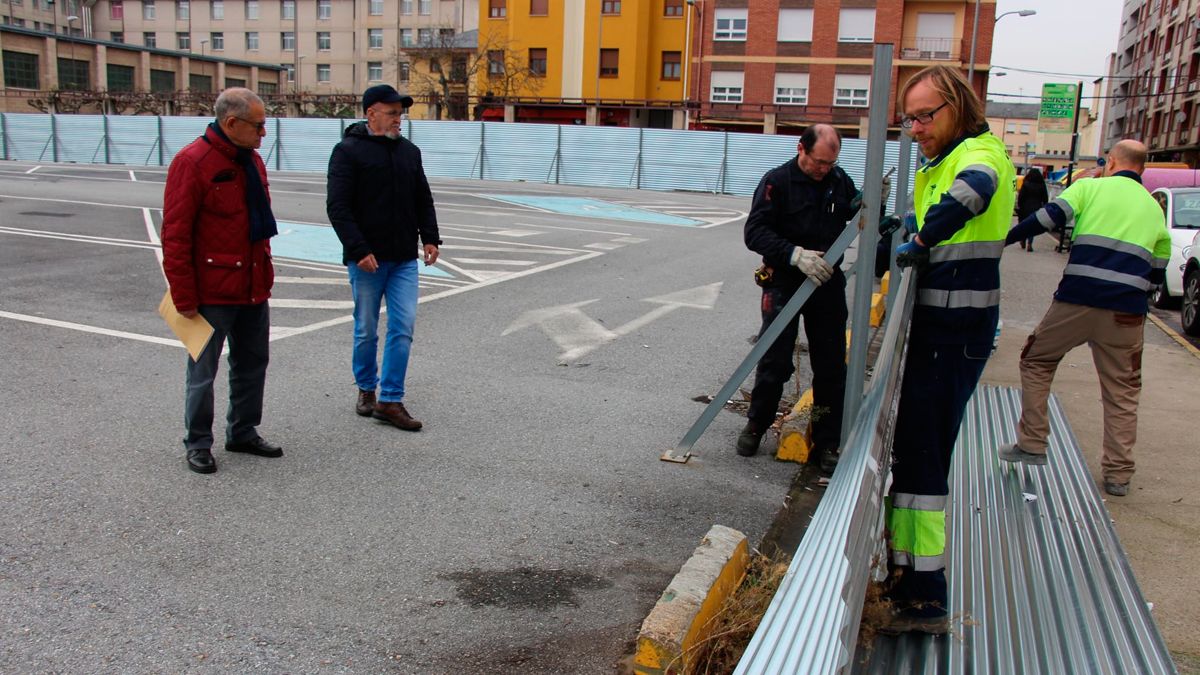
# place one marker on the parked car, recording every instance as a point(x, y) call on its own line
point(1182, 209)
point(1189, 312)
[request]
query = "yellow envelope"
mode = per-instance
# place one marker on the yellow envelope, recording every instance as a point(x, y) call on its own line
point(194, 333)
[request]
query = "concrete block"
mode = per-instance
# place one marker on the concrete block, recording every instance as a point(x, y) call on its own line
point(795, 434)
point(883, 283)
point(878, 308)
point(681, 618)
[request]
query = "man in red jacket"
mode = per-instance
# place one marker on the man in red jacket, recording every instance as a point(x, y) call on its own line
point(217, 223)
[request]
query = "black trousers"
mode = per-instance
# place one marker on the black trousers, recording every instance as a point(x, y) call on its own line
point(248, 329)
point(825, 326)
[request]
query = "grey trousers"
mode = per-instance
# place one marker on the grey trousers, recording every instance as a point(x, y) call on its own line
point(248, 329)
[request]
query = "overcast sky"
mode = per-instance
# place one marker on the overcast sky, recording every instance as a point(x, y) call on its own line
point(1065, 36)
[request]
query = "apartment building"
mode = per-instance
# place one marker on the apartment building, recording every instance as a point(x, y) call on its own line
point(1155, 79)
point(67, 17)
point(325, 46)
point(1016, 124)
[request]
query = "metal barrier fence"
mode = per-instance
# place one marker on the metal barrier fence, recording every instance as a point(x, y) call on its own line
point(621, 157)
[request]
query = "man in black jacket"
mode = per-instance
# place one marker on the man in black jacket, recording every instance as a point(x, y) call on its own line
point(799, 209)
point(379, 202)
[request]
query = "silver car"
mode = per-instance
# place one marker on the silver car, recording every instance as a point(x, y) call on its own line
point(1182, 209)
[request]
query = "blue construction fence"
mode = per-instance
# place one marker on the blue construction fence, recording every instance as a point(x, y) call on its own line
point(593, 156)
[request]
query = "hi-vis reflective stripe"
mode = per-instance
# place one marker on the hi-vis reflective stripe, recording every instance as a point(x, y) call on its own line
point(906, 500)
point(1107, 275)
point(919, 563)
point(966, 195)
point(1113, 245)
point(1160, 263)
point(971, 250)
point(936, 297)
point(1044, 217)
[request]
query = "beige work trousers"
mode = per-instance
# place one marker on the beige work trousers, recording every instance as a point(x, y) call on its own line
point(1116, 340)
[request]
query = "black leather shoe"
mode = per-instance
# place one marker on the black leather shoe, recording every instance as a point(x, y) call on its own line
point(256, 446)
point(201, 460)
point(748, 440)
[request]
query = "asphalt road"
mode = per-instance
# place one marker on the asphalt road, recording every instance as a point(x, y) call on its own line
point(530, 526)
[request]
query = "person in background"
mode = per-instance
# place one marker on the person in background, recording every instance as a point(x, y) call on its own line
point(1031, 197)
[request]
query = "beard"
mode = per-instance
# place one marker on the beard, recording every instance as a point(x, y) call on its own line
point(393, 134)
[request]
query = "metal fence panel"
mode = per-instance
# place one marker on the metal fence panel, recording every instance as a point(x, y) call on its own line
point(524, 152)
point(448, 149)
point(681, 160)
point(598, 156)
point(133, 140)
point(303, 144)
point(80, 138)
point(177, 132)
point(28, 137)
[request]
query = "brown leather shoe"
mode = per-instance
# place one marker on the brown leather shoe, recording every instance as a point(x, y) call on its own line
point(395, 414)
point(366, 403)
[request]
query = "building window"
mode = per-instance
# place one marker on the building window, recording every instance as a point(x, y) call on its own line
point(1010, 128)
point(117, 36)
point(795, 25)
point(1024, 128)
point(495, 63)
point(323, 72)
point(287, 10)
point(324, 42)
point(116, 9)
point(268, 88)
point(252, 10)
point(727, 86)
point(287, 41)
point(183, 41)
point(20, 70)
point(374, 70)
point(402, 72)
point(610, 6)
point(446, 36)
point(730, 25)
point(672, 7)
point(851, 90)
point(497, 9)
point(148, 10)
point(200, 83)
point(375, 8)
point(252, 40)
point(856, 25)
point(218, 41)
point(406, 7)
point(150, 39)
point(183, 10)
point(289, 70)
point(539, 7)
point(162, 81)
point(424, 37)
point(375, 38)
point(324, 10)
point(231, 82)
point(537, 62)
point(120, 78)
point(217, 10)
point(406, 37)
point(791, 88)
point(73, 74)
point(610, 62)
point(424, 7)
point(670, 65)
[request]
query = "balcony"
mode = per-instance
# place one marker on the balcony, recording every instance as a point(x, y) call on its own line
point(931, 49)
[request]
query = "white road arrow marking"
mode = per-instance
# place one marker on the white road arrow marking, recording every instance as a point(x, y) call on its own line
point(576, 333)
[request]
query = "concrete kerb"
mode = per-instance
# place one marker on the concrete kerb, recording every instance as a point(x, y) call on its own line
point(682, 616)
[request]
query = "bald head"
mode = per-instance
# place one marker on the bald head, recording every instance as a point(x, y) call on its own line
point(1127, 155)
point(821, 133)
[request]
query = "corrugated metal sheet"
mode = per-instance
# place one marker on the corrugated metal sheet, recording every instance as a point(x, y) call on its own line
point(681, 160)
point(1039, 582)
point(177, 132)
point(525, 152)
point(302, 144)
point(598, 156)
point(28, 137)
point(448, 149)
point(751, 156)
point(133, 140)
point(80, 138)
point(812, 623)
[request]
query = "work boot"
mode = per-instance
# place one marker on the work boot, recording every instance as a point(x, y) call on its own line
point(913, 621)
point(1014, 453)
point(748, 440)
point(366, 403)
point(396, 415)
point(827, 460)
point(1116, 489)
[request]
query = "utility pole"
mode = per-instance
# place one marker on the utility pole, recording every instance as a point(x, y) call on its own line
point(1074, 133)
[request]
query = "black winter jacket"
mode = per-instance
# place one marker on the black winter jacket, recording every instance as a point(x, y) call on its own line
point(377, 197)
point(791, 209)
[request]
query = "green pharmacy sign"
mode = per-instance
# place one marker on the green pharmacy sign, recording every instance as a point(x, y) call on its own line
point(1057, 113)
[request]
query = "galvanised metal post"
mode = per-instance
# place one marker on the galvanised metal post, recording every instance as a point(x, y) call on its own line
point(161, 156)
point(638, 163)
point(278, 145)
point(558, 155)
point(482, 143)
point(53, 139)
point(107, 151)
point(900, 190)
point(4, 134)
point(864, 283)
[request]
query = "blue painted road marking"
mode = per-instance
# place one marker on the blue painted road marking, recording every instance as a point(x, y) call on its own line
point(594, 208)
point(320, 244)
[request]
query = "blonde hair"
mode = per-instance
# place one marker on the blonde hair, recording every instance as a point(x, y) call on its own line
point(954, 89)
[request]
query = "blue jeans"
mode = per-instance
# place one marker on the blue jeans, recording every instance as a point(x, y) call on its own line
point(397, 281)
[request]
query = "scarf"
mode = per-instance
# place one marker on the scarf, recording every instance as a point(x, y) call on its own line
point(262, 221)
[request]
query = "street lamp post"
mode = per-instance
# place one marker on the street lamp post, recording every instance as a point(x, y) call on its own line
point(692, 5)
point(975, 33)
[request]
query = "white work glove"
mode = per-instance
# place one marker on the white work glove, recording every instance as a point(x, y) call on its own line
point(887, 190)
point(812, 264)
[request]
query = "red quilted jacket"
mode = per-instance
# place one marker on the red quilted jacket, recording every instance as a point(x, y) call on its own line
point(207, 254)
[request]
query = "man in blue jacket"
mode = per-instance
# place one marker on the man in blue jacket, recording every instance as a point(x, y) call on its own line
point(379, 203)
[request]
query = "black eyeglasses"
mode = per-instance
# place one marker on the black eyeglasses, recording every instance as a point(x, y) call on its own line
point(261, 126)
point(924, 118)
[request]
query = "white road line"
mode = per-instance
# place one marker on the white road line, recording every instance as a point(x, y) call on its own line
point(91, 329)
point(34, 169)
point(489, 261)
point(574, 229)
point(629, 240)
point(311, 304)
point(16, 175)
point(604, 246)
point(509, 243)
point(79, 239)
point(455, 268)
point(132, 177)
point(330, 281)
point(154, 239)
point(499, 249)
point(76, 201)
point(722, 222)
point(316, 267)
